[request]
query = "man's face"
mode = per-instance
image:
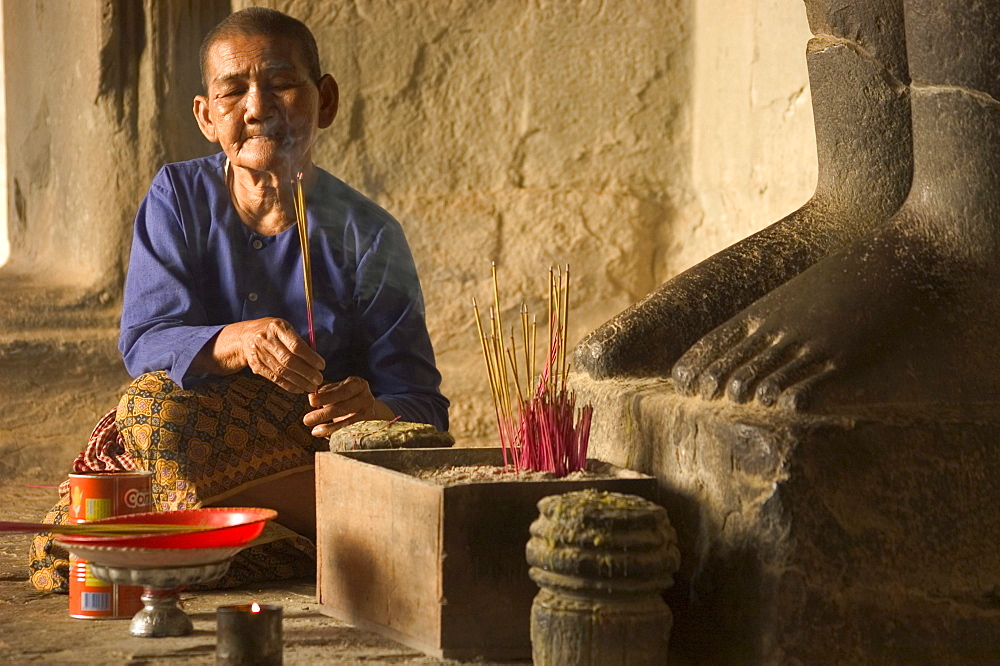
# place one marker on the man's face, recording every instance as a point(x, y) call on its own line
point(261, 105)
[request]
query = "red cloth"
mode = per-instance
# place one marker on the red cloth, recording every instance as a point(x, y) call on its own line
point(105, 451)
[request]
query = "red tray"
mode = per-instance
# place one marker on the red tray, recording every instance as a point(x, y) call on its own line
point(235, 526)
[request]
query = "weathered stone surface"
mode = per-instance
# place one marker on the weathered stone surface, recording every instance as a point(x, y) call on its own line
point(60, 371)
point(750, 121)
point(867, 535)
point(600, 560)
point(903, 313)
point(54, 393)
point(389, 435)
point(954, 45)
point(98, 110)
point(874, 27)
point(866, 529)
point(596, 542)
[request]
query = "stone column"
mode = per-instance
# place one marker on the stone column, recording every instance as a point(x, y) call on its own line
point(100, 106)
point(601, 560)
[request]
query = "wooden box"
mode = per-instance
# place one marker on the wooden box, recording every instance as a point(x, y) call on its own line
point(438, 568)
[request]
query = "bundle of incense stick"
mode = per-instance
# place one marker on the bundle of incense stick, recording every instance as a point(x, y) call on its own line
point(302, 224)
point(540, 428)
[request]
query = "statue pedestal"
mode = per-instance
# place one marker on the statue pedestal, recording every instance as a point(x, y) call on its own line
point(838, 537)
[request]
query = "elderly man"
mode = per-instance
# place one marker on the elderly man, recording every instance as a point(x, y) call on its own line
point(230, 402)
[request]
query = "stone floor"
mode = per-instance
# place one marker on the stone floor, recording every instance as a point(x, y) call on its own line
point(36, 627)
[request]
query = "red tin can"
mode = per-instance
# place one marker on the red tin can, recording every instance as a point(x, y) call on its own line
point(101, 495)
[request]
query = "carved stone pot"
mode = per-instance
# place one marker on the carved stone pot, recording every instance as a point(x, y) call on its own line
point(601, 560)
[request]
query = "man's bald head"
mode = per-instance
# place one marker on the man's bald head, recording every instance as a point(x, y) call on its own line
point(262, 21)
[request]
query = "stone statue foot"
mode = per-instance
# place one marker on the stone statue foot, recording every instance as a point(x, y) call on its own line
point(842, 316)
point(862, 112)
point(909, 311)
point(648, 338)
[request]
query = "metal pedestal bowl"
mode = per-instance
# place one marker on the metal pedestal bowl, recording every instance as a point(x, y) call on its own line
point(161, 616)
point(162, 573)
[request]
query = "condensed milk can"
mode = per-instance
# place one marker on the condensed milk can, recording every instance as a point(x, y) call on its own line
point(101, 495)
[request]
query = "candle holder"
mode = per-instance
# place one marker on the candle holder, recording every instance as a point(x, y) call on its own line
point(248, 634)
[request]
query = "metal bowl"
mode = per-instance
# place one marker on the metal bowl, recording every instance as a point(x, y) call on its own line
point(148, 558)
point(161, 615)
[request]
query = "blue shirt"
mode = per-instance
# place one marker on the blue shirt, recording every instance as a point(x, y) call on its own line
point(195, 267)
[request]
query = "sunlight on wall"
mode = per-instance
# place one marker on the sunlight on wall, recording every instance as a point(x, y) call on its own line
point(4, 240)
point(754, 148)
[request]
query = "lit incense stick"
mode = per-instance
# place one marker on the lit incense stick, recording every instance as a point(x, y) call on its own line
point(301, 222)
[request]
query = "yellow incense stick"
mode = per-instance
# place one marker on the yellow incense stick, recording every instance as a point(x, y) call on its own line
point(102, 529)
point(302, 223)
point(566, 329)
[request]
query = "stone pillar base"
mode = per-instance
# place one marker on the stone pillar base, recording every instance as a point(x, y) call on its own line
point(820, 538)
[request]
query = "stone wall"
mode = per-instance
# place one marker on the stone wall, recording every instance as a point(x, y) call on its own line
point(753, 157)
point(4, 241)
point(628, 139)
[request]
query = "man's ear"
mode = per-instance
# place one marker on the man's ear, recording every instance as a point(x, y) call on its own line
point(329, 101)
point(201, 114)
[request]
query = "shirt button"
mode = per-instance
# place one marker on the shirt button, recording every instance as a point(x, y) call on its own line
point(257, 244)
point(252, 297)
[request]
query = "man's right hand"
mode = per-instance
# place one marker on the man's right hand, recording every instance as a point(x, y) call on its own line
point(271, 348)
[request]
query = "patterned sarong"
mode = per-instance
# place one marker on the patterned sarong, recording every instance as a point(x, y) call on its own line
point(203, 445)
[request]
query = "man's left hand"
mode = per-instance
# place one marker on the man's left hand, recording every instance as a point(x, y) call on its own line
point(342, 403)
